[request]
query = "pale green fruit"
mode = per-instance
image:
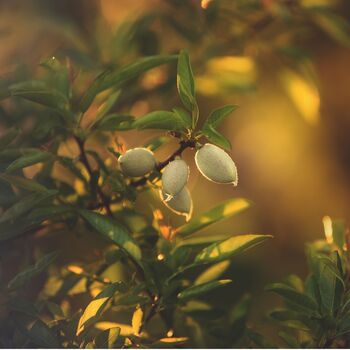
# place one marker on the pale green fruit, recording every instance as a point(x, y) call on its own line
point(180, 204)
point(174, 178)
point(137, 162)
point(216, 165)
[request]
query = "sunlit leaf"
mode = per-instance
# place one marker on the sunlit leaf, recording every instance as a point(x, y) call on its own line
point(117, 77)
point(113, 122)
point(156, 143)
point(200, 289)
point(24, 276)
point(226, 249)
point(212, 273)
point(137, 319)
point(111, 229)
point(107, 338)
point(30, 158)
point(222, 211)
point(96, 307)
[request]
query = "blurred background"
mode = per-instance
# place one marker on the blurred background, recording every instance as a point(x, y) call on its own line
point(284, 62)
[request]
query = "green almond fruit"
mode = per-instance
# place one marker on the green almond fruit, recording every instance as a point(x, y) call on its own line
point(137, 162)
point(216, 165)
point(174, 178)
point(181, 204)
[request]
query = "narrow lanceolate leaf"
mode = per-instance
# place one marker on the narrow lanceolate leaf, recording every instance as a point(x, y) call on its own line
point(226, 249)
point(218, 115)
point(137, 319)
point(164, 120)
point(157, 142)
point(222, 211)
point(8, 136)
point(39, 333)
point(185, 81)
point(24, 276)
point(117, 77)
point(293, 296)
point(24, 183)
point(38, 92)
point(25, 204)
point(114, 231)
point(107, 338)
point(30, 158)
point(113, 122)
point(213, 272)
point(216, 138)
point(201, 289)
point(96, 307)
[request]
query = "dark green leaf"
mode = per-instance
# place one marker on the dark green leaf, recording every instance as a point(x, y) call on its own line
point(29, 158)
point(293, 296)
point(24, 183)
point(38, 92)
point(222, 211)
point(160, 120)
point(117, 77)
point(111, 229)
point(185, 81)
point(200, 289)
point(216, 138)
point(260, 341)
point(24, 276)
point(25, 204)
point(226, 249)
point(96, 307)
point(290, 340)
point(113, 122)
point(184, 116)
point(218, 115)
point(8, 136)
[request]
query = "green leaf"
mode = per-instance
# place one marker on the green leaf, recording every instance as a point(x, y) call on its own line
point(338, 228)
point(216, 138)
point(26, 204)
point(185, 81)
point(218, 115)
point(37, 91)
point(213, 272)
point(260, 341)
point(164, 120)
point(226, 249)
point(291, 295)
point(40, 334)
point(113, 122)
point(8, 136)
point(107, 338)
point(200, 289)
point(114, 231)
point(184, 116)
point(222, 211)
point(24, 183)
point(96, 307)
point(29, 158)
point(117, 77)
point(24, 276)
point(107, 105)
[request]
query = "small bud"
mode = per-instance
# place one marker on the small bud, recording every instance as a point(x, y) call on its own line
point(137, 162)
point(174, 178)
point(180, 204)
point(216, 165)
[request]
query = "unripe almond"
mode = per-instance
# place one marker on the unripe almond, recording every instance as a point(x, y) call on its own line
point(137, 162)
point(174, 178)
point(216, 165)
point(180, 204)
